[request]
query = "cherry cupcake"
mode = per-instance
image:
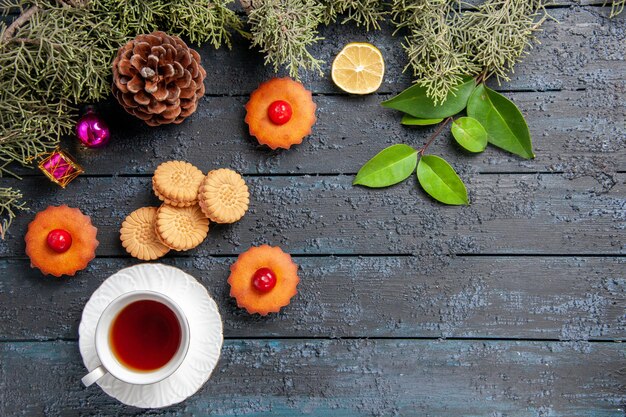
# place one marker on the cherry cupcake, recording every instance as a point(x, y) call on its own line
point(280, 113)
point(263, 280)
point(61, 241)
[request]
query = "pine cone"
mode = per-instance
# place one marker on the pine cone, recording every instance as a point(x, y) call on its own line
point(158, 78)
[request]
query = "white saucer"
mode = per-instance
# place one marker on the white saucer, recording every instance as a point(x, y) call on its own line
point(205, 326)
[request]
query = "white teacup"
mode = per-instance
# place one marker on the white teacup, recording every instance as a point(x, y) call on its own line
point(109, 362)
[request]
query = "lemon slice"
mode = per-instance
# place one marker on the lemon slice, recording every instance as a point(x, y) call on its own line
point(359, 68)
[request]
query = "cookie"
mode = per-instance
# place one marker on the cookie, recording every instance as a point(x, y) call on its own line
point(224, 196)
point(176, 183)
point(181, 228)
point(139, 237)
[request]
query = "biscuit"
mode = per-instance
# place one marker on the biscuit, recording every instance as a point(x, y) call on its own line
point(224, 196)
point(176, 183)
point(181, 228)
point(139, 237)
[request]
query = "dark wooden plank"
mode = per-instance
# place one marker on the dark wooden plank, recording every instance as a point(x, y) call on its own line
point(580, 132)
point(539, 214)
point(574, 131)
point(510, 297)
point(346, 378)
point(586, 49)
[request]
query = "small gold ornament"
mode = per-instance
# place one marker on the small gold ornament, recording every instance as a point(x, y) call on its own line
point(60, 167)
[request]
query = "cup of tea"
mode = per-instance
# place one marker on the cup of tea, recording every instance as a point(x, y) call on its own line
point(141, 338)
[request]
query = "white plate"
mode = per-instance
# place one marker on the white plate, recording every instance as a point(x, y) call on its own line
point(205, 326)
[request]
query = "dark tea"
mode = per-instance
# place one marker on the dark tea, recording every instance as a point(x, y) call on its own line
point(145, 335)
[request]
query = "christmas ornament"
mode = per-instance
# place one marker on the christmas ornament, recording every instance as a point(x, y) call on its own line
point(158, 78)
point(60, 167)
point(92, 130)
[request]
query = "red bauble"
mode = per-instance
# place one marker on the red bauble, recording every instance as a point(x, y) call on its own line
point(92, 130)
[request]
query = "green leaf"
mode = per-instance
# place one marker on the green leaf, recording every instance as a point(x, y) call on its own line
point(409, 120)
point(470, 134)
point(504, 123)
point(440, 180)
point(388, 167)
point(415, 102)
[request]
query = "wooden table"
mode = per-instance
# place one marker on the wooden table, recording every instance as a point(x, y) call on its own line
point(513, 306)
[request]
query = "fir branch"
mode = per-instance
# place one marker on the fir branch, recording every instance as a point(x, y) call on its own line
point(498, 34)
point(40, 126)
point(10, 203)
point(200, 21)
point(19, 21)
point(36, 76)
point(445, 43)
point(57, 54)
point(617, 7)
point(284, 30)
point(68, 54)
point(54, 56)
point(52, 60)
point(132, 16)
point(433, 57)
point(366, 13)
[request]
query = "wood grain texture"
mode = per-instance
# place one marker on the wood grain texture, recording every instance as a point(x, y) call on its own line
point(537, 214)
point(584, 50)
point(404, 271)
point(487, 297)
point(346, 378)
point(578, 132)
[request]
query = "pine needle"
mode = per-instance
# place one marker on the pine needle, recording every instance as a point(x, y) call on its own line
point(199, 21)
point(284, 30)
point(449, 39)
point(617, 7)
point(10, 203)
point(366, 13)
point(50, 63)
point(57, 55)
